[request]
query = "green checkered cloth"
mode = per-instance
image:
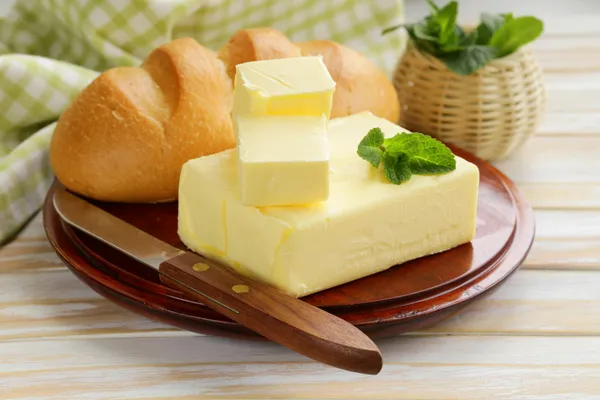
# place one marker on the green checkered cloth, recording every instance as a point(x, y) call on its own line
point(51, 49)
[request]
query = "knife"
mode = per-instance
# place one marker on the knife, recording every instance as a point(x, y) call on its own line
point(266, 310)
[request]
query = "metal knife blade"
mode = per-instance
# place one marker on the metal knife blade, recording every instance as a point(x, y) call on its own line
point(284, 319)
point(112, 230)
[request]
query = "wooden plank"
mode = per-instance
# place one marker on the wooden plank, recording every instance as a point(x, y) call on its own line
point(557, 83)
point(567, 224)
point(564, 255)
point(572, 94)
point(560, 54)
point(549, 42)
point(569, 111)
point(569, 124)
point(48, 303)
point(57, 305)
point(569, 62)
point(573, 101)
point(566, 239)
point(535, 303)
point(562, 159)
point(465, 367)
point(567, 54)
point(562, 196)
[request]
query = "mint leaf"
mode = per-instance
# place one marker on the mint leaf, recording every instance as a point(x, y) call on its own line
point(489, 24)
point(371, 154)
point(516, 32)
point(405, 154)
point(396, 168)
point(422, 31)
point(507, 16)
point(433, 158)
point(452, 45)
point(446, 19)
point(409, 143)
point(392, 28)
point(426, 154)
point(470, 59)
point(369, 147)
point(493, 21)
point(374, 138)
point(437, 33)
point(433, 164)
point(470, 39)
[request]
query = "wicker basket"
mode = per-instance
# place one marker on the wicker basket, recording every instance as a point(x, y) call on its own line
point(489, 113)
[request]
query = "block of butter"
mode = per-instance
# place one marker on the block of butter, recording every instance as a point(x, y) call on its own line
point(283, 160)
point(367, 224)
point(285, 86)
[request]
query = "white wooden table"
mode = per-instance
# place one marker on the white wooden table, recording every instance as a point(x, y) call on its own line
point(538, 337)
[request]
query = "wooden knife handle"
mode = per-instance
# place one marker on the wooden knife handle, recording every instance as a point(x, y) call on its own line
point(273, 314)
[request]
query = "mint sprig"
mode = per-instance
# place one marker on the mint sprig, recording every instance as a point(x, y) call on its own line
point(370, 147)
point(406, 154)
point(496, 36)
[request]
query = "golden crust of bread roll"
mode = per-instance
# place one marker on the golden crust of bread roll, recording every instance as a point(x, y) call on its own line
point(256, 44)
point(126, 136)
point(360, 84)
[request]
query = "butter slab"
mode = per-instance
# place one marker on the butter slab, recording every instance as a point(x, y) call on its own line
point(366, 226)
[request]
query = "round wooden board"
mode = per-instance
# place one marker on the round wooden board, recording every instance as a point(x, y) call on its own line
point(406, 297)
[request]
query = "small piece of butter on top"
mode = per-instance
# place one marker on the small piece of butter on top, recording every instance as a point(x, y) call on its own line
point(285, 86)
point(282, 160)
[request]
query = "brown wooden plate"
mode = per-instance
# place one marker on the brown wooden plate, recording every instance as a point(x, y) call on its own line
point(410, 296)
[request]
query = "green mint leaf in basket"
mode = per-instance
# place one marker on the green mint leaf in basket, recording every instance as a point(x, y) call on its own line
point(419, 33)
point(406, 154)
point(436, 33)
point(515, 33)
point(446, 20)
point(496, 36)
point(369, 147)
point(489, 24)
point(470, 59)
point(470, 39)
point(423, 32)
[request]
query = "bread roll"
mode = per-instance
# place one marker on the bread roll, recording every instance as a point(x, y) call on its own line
point(126, 136)
point(360, 84)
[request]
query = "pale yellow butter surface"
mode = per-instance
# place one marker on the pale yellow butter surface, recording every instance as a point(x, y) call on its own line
point(283, 160)
point(285, 86)
point(367, 224)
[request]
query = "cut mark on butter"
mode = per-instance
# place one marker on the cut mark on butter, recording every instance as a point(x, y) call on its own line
point(200, 267)
point(282, 82)
point(240, 288)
